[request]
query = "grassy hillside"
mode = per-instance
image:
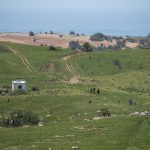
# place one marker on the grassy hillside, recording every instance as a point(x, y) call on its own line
point(118, 74)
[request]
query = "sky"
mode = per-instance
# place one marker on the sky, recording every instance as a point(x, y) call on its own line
point(75, 6)
point(72, 14)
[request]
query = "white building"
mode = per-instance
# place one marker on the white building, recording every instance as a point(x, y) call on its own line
point(19, 85)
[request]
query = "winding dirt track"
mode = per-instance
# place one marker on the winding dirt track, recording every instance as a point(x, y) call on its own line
point(72, 69)
point(24, 60)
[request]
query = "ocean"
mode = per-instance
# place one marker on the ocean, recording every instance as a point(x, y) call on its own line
point(117, 25)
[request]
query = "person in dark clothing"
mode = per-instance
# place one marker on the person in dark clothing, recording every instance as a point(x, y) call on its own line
point(90, 101)
point(98, 91)
point(130, 101)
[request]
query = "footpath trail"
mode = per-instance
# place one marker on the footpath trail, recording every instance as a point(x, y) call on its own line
point(24, 60)
point(72, 68)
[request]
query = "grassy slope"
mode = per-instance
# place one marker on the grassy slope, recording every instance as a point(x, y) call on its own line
point(96, 70)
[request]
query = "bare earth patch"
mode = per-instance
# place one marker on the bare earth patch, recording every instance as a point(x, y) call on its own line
point(74, 80)
point(52, 39)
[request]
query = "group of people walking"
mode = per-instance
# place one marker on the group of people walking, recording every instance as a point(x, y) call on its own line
point(95, 91)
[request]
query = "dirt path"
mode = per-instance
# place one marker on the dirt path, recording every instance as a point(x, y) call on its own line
point(24, 60)
point(72, 69)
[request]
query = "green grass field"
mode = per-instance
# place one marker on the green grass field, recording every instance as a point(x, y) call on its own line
point(118, 74)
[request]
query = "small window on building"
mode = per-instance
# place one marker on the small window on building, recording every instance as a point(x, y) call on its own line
point(19, 87)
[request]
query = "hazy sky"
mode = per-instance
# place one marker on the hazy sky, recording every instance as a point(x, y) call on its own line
point(75, 6)
point(82, 15)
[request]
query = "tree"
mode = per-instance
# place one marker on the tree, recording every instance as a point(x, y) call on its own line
point(121, 43)
point(74, 45)
point(31, 33)
point(72, 33)
point(87, 47)
point(51, 32)
point(97, 37)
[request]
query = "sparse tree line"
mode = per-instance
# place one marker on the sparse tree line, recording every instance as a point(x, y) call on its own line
point(121, 42)
point(87, 47)
point(31, 33)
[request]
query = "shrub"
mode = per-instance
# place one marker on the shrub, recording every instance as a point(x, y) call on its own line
point(52, 48)
point(74, 45)
point(34, 89)
point(121, 44)
point(19, 118)
point(117, 63)
point(97, 37)
point(51, 32)
point(72, 33)
point(105, 112)
point(87, 47)
point(31, 33)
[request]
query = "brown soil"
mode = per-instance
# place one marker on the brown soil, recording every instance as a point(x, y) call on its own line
point(49, 39)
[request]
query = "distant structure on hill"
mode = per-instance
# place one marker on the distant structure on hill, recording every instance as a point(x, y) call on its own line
point(19, 85)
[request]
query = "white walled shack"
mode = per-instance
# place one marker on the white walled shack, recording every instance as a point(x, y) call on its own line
point(19, 85)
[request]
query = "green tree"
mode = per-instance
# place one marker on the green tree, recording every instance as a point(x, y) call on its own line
point(87, 47)
point(74, 45)
point(72, 33)
point(31, 33)
point(97, 37)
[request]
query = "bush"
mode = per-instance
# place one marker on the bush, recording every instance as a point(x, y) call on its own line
point(72, 33)
point(87, 47)
point(31, 33)
point(117, 63)
point(51, 32)
point(97, 37)
point(74, 45)
point(34, 89)
point(121, 44)
point(52, 48)
point(19, 118)
point(105, 112)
